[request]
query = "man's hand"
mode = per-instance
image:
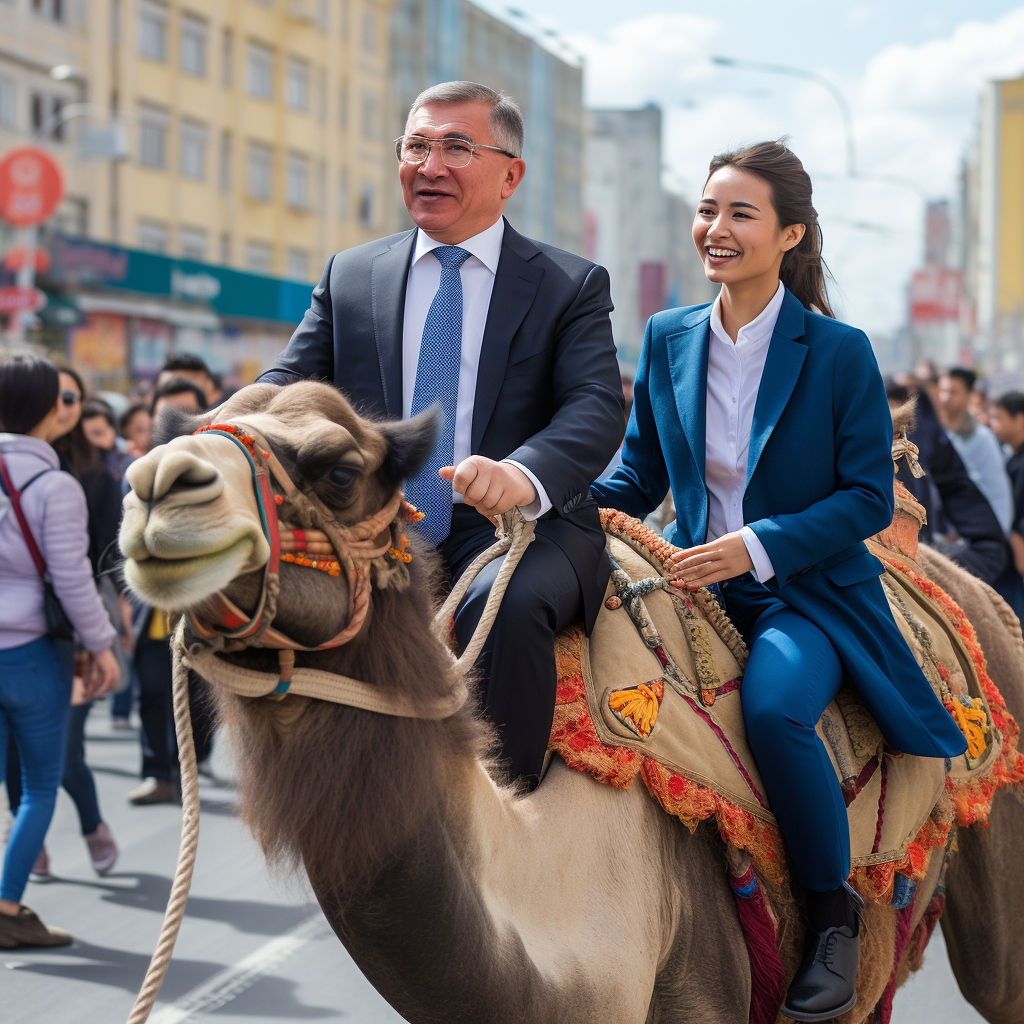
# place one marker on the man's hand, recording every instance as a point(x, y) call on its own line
point(102, 676)
point(1017, 543)
point(492, 488)
point(721, 559)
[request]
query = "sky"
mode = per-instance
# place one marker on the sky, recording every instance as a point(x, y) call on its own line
point(912, 74)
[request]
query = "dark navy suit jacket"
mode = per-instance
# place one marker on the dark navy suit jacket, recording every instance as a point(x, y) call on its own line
point(819, 481)
point(548, 392)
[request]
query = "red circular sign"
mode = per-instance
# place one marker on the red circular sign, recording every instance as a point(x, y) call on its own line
point(31, 186)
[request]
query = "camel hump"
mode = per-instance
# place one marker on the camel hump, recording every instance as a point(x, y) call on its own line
point(656, 690)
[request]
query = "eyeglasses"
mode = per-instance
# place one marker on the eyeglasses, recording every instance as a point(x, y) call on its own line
point(70, 397)
point(415, 149)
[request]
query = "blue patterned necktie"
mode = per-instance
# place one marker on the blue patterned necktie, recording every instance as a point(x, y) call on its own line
point(437, 380)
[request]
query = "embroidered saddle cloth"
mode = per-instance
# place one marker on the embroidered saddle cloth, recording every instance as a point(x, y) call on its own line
point(656, 691)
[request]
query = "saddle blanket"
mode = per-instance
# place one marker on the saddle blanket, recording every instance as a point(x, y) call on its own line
point(656, 691)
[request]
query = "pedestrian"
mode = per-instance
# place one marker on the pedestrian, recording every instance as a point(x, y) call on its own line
point(184, 366)
point(44, 514)
point(768, 419)
point(100, 428)
point(136, 427)
point(974, 443)
point(85, 462)
point(1008, 426)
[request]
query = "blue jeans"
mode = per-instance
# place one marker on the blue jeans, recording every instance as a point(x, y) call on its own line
point(792, 675)
point(35, 690)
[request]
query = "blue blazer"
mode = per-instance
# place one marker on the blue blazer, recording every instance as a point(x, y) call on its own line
point(819, 480)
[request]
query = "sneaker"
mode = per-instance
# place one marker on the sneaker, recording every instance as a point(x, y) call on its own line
point(41, 868)
point(155, 791)
point(25, 929)
point(117, 722)
point(102, 849)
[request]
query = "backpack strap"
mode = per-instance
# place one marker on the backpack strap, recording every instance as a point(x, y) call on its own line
point(15, 499)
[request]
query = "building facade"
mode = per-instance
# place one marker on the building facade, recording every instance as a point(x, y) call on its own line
point(634, 227)
point(450, 40)
point(243, 134)
point(993, 245)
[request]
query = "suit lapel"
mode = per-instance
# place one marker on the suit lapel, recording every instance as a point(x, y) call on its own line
point(515, 287)
point(781, 369)
point(688, 367)
point(389, 271)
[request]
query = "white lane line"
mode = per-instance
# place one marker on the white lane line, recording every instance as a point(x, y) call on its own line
point(233, 981)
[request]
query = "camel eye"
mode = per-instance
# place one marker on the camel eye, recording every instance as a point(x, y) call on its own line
point(343, 476)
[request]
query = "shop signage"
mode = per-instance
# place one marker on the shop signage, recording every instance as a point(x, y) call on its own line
point(230, 293)
point(31, 186)
point(16, 300)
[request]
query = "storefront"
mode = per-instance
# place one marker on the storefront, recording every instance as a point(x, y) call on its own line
point(123, 311)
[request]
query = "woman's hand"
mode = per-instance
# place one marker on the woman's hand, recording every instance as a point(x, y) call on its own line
point(718, 560)
point(102, 676)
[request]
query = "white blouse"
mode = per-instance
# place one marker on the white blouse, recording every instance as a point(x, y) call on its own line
point(734, 376)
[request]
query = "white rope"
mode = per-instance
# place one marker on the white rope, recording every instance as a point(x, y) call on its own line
point(189, 839)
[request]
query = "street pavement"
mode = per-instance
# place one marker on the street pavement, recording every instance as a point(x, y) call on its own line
point(253, 948)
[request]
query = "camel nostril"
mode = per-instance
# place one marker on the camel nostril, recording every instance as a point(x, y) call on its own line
point(184, 476)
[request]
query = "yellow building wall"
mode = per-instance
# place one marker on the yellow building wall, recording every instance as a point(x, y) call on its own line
point(1010, 218)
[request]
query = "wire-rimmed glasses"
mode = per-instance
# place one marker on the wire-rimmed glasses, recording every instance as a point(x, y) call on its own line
point(455, 152)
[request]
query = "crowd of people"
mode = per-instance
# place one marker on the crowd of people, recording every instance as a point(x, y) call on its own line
point(68, 632)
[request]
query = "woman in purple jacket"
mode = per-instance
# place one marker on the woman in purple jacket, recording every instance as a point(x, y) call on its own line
point(35, 671)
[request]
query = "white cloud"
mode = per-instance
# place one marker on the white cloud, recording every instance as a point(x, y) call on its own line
point(914, 110)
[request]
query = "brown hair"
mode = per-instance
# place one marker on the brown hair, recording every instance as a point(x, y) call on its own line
point(803, 271)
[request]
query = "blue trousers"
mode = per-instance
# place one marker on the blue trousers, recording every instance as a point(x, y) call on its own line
point(35, 690)
point(792, 676)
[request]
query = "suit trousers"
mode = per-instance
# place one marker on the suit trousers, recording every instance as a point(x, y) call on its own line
point(792, 675)
point(517, 677)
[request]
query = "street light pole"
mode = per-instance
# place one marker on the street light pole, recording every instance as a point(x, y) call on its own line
point(811, 76)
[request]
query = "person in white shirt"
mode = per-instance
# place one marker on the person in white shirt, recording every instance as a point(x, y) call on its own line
point(769, 421)
point(513, 340)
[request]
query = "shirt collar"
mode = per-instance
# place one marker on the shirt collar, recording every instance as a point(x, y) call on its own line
point(486, 246)
point(759, 330)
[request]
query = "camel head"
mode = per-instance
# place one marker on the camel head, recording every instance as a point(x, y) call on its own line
point(192, 524)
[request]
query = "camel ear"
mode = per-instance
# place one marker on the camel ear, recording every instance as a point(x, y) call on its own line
point(410, 444)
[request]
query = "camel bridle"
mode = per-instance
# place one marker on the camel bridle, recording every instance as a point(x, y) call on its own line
point(356, 548)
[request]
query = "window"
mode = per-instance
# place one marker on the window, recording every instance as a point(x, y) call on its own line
point(297, 181)
point(298, 265)
point(259, 71)
point(193, 45)
point(343, 195)
point(227, 55)
point(8, 102)
point(153, 30)
point(44, 112)
point(225, 248)
point(193, 150)
point(369, 115)
point(52, 9)
point(153, 138)
point(366, 205)
point(152, 236)
point(259, 256)
point(296, 93)
point(224, 175)
point(369, 30)
point(259, 170)
point(343, 105)
point(321, 96)
point(192, 242)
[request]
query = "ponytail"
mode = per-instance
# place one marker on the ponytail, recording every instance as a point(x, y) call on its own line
point(803, 271)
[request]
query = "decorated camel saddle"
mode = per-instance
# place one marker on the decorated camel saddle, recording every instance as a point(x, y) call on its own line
point(656, 691)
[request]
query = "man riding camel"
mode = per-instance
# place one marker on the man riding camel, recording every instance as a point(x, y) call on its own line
point(512, 337)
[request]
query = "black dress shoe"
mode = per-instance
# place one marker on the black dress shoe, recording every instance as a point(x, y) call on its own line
point(825, 986)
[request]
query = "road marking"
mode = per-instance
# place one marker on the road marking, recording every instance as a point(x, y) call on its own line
point(233, 981)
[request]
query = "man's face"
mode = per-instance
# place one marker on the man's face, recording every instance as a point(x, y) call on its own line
point(202, 380)
point(1009, 429)
point(452, 204)
point(953, 398)
point(183, 400)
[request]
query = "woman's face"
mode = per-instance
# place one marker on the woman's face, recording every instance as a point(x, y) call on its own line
point(69, 405)
point(736, 229)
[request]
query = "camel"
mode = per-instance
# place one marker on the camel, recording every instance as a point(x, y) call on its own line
point(460, 898)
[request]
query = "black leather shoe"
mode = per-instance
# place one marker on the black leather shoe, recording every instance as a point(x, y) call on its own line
point(825, 986)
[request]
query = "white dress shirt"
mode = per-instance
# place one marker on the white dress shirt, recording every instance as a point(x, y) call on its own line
point(477, 275)
point(734, 377)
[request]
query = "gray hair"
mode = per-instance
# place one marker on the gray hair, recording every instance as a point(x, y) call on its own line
point(505, 122)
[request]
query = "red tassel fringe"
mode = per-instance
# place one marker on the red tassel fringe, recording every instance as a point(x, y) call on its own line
point(767, 977)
